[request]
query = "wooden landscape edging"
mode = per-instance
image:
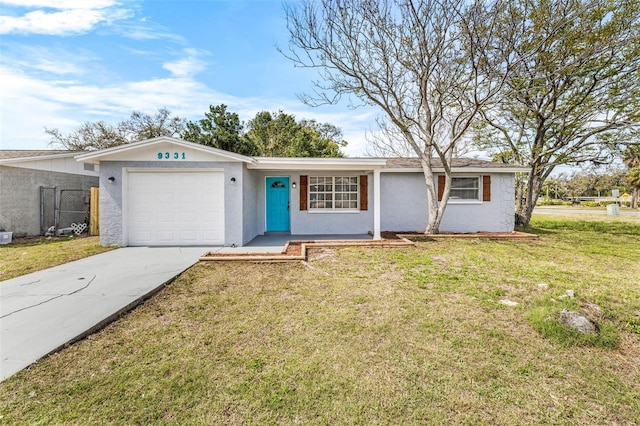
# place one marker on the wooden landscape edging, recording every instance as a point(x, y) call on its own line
point(403, 240)
point(509, 236)
point(304, 246)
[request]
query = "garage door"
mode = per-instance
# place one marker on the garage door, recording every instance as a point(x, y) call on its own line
point(175, 208)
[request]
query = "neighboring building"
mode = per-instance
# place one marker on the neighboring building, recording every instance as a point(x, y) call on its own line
point(23, 174)
point(166, 191)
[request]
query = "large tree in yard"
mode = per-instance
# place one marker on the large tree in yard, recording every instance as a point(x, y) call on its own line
point(429, 65)
point(573, 100)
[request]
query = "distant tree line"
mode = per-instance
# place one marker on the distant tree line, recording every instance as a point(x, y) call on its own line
point(586, 183)
point(595, 182)
point(268, 134)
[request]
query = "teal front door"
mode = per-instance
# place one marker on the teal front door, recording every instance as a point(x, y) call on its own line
point(277, 204)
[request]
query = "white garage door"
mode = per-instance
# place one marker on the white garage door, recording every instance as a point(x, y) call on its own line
point(175, 208)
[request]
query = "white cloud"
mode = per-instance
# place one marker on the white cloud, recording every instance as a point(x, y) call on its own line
point(187, 66)
point(54, 61)
point(68, 17)
point(30, 104)
point(145, 30)
point(61, 4)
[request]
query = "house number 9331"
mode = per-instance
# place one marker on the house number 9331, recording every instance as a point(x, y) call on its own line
point(174, 156)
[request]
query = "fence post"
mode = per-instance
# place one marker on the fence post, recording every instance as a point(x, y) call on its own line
point(94, 212)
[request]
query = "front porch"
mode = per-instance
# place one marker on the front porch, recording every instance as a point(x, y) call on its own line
point(275, 242)
point(282, 247)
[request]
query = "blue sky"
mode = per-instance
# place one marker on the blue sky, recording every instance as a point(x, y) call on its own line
point(64, 62)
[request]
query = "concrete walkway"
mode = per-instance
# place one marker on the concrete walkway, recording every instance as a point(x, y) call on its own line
point(43, 311)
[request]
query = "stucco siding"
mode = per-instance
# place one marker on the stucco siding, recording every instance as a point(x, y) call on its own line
point(309, 222)
point(65, 164)
point(498, 215)
point(20, 196)
point(251, 211)
point(111, 196)
point(404, 206)
point(403, 202)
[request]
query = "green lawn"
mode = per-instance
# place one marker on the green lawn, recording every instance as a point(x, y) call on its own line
point(24, 256)
point(367, 336)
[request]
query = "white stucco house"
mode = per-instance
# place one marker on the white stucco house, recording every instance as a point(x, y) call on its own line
point(166, 191)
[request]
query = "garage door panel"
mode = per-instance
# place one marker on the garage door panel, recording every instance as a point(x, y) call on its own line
point(210, 216)
point(142, 236)
point(213, 235)
point(166, 236)
point(165, 217)
point(189, 235)
point(189, 217)
point(175, 208)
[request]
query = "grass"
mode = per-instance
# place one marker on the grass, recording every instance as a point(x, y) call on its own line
point(365, 336)
point(24, 256)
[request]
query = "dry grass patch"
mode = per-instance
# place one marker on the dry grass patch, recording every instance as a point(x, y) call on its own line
point(367, 336)
point(24, 256)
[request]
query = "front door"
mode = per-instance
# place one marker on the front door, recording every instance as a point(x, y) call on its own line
point(277, 204)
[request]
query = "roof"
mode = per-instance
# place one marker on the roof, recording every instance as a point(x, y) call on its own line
point(457, 165)
point(13, 155)
point(127, 149)
point(307, 163)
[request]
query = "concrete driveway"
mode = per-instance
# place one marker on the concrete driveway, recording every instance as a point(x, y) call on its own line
point(43, 311)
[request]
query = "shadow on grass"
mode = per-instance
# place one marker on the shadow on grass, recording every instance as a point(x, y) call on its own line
point(537, 231)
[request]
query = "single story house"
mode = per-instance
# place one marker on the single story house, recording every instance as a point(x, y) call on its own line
point(24, 208)
point(166, 191)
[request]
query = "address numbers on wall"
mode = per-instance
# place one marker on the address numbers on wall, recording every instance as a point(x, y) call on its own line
point(172, 156)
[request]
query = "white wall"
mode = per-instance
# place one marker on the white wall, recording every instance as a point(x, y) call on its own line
point(404, 206)
point(253, 224)
point(111, 195)
point(305, 222)
point(61, 165)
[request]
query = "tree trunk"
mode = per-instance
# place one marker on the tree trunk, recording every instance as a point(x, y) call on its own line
point(634, 198)
point(435, 211)
point(520, 203)
point(525, 204)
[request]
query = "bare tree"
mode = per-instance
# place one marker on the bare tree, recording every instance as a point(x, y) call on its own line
point(429, 65)
point(90, 136)
point(144, 126)
point(100, 135)
point(572, 101)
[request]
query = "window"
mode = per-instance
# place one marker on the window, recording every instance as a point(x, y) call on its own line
point(333, 192)
point(465, 188)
